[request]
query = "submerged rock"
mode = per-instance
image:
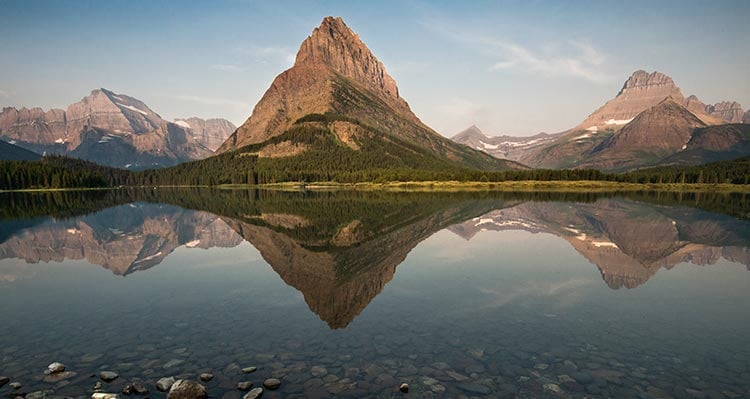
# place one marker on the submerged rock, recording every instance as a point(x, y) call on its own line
point(206, 377)
point(254, 393)
point(37, 395)
point(15, 385)
point(186, 389)
point(164, 384)
point(139, 388)
point(475, 388)
point(248, 370)
point(102, 395)
point(56, 367)
point(272, 383)
point(4, 380)
point(108, 376)
point(59, 376)
point(244, 385)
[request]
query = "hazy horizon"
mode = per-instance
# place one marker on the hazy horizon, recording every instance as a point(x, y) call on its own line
point(510, 68)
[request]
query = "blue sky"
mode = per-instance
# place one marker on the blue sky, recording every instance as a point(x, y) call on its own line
point(510, 67)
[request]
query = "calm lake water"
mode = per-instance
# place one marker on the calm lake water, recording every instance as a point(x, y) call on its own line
point(350, 294)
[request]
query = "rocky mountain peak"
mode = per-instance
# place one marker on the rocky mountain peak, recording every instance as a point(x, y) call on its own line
point(728, 111)
point(643, 79)
point(336, 46)
point(472, 131)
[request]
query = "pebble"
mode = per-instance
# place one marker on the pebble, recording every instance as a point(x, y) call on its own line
point(318, 371)
point(139, 388)
point(4, 380)
point(57, 377)
point(56, 367)
point(108, 376)
point(98, 386)
point(164, 384)
point(102, 395)
point(186, 389)
point(244, 385)
point(552, 387)
point(36, 395)
point(248, 370)
point(15, 385)
point(254, 393)
point(206, 377)
point(475, 388)
point(173, 363)
point(272, 383)
point(404, 388)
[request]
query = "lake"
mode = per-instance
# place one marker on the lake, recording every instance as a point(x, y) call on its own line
point(350, 294)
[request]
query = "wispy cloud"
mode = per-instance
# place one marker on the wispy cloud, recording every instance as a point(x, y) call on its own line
point(214, 101)
point(569, 58)
point(227, 67)
point(268, 53)
point(5, 94)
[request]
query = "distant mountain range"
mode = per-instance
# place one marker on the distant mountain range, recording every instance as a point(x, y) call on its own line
point(15, 153)
point(112, 129)
point(648, 123)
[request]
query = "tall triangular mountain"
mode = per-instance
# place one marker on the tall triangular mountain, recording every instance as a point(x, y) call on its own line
point(336, 75)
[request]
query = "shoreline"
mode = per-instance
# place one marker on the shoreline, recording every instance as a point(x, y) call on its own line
point(523, 185)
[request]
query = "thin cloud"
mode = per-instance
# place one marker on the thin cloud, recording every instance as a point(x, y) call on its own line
point(5, 93)
point(214, 101)
point(268, 53)
point(227, 67)
point(572, 59)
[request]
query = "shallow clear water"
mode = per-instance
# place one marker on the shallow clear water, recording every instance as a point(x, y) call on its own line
point(351, 294)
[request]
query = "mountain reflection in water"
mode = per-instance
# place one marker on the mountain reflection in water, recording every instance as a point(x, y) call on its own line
point(341, 249)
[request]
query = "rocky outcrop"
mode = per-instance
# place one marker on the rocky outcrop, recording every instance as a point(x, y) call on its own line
point(746, 117)
point(210, 133)
point(727, 111)
point(336, 74)
point(104, 127)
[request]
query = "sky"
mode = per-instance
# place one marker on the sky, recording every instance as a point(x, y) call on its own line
point(509, 67)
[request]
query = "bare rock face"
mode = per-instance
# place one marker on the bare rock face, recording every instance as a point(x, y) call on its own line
point(104, 127)
point(211, 133)
point(695, 105)
point(727, 111)
point(504, 147)
point(641, 91)
point(335, 45)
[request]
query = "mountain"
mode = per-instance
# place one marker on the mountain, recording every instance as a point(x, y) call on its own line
point(339, 93)
point(648, 120)
point(713, 143)
point(210, 133)
point(504, 147)
point(11, 152)
point(658, 132)
point(104, 127)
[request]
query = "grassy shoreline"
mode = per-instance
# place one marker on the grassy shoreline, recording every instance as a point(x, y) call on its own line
point(524, 185)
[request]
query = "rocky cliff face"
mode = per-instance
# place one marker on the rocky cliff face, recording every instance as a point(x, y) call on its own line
point(727, 111)
point(104, 127)
point(336, 74)
point(210, 133)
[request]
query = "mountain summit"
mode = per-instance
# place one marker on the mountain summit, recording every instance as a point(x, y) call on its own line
point(338, 87)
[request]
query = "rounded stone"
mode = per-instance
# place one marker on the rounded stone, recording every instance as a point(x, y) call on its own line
point(164, 384)
point(206, 377)
point(4, 380)
point(248, 370)
point(56, 367)
point(404, 388)
point(272, 383)
point(108, 376)
point(15, 385)
point(244, 385)
point(186, 389)
point(254, 393)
